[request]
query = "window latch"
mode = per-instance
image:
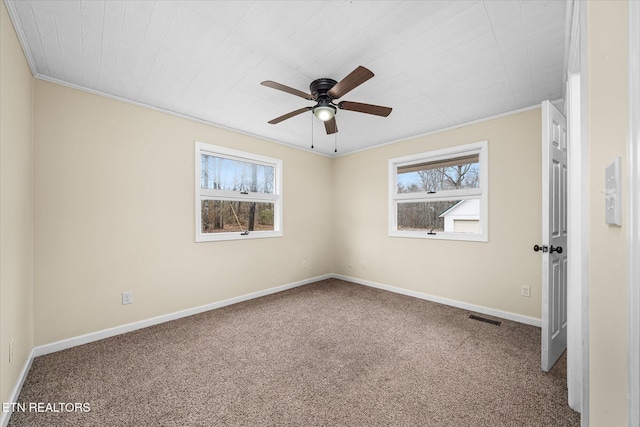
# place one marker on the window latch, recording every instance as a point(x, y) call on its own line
point(431, 233)
point(246, 233)
point(244, 192)
point(431, 192)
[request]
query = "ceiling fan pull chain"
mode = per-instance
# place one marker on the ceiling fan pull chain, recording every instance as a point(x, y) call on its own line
point(335, 142)
point(312, 131)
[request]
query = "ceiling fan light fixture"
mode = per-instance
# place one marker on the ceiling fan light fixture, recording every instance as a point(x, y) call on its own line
point(324, 112)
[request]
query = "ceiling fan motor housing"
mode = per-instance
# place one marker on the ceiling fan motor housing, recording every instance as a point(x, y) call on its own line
point(319, 88)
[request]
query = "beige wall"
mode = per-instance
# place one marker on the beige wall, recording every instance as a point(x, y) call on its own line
point(487, 274)
point(16, 206)
point(608, 125)
point(114, 211)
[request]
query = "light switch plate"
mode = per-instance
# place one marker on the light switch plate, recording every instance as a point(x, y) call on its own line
point(613, 204)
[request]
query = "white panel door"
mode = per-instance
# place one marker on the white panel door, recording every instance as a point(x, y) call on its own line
point(554, 235)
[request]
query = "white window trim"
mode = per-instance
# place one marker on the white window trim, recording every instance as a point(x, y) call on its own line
point(202, 194)
point(482, 193)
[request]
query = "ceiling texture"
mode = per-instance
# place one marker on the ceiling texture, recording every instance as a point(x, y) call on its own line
point(438, 64)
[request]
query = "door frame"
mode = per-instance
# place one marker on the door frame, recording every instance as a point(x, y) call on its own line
point(633, 251)
point(576, 245)
point(577, 216)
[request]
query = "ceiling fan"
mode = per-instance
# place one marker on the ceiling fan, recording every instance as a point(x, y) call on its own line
point(324, 91)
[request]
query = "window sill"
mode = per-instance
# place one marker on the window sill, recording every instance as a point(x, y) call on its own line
point(440, 236)
point(221, 237)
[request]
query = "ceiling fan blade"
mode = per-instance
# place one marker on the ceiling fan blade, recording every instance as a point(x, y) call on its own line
point(289, 115)
point(278, 86)
point(353, 80)
point(377, 110)
point(330, 126)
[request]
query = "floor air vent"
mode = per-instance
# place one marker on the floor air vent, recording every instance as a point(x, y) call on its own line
point(482, 319)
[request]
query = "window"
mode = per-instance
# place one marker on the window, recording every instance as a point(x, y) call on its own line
point(238, 195)
point(440, 194)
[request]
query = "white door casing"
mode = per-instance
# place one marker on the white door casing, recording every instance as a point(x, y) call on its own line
point(576, 246)
point(554, 235)
point(634, 214)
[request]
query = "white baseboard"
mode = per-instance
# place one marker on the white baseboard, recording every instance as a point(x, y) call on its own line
point(446, 301)
point(107, 333)
point(15, 393)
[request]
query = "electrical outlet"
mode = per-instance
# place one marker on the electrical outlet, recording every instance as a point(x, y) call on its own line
point(349, 264)
point(304, 263)
point(525, 291)
point(127, 297)
point(11, 352)
point(364, 265)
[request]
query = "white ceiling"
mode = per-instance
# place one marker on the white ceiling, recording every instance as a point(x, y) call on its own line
point(437, 63)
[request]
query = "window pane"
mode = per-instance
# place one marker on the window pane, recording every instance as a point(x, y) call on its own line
point(222, 216)
point(451, 216)
point(219, 173)
point(449, 174)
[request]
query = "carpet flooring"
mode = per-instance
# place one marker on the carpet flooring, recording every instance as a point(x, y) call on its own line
point(331, 353)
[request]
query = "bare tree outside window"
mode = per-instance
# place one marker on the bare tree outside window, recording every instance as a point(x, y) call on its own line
point(440, 194)
point(433, 177)
point(237, 194)
point(463, 172)
point(219, 216)
point(218, 173)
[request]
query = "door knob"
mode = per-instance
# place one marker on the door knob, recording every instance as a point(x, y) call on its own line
point(546, 249)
